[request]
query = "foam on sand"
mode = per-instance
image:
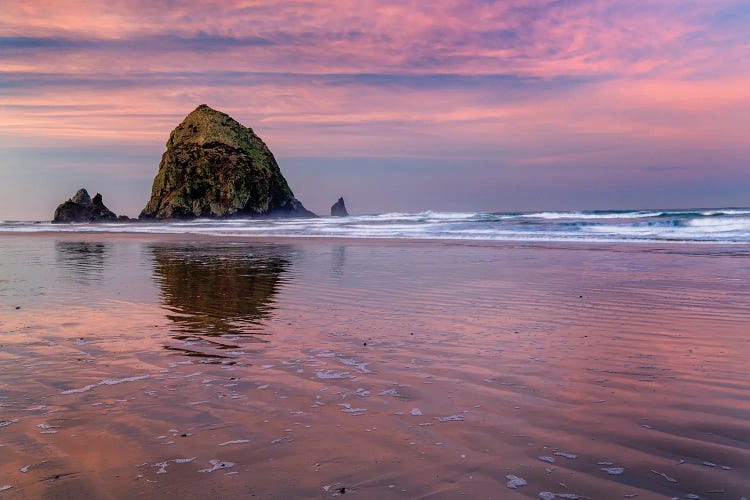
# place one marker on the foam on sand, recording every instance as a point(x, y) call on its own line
point(668, 478)
point(451, 418)
point(360, 366)
point(217, 465)
point(106, 382)
point(347, 408)
point(515, 482)
point(331, 374)
point(236, 441)
point(390, 392)
point(546, 495)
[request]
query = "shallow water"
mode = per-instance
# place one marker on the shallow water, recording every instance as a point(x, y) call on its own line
point(145, 367)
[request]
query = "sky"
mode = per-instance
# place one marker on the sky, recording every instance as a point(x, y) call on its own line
point(463, 105)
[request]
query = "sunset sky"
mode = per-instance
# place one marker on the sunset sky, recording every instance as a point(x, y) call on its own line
point(397, 105)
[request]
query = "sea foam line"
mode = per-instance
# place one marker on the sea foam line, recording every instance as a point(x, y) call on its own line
point(106, 382)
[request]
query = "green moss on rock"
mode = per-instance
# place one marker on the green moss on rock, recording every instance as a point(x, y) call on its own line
point(216, 167)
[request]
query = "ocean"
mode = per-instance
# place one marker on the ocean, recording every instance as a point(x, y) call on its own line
point(718, 226)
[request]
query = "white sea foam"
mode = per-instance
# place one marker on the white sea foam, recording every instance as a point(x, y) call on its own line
point(236, 441)
point(360, 366)
point(546, 495)
point(515, 481)
point(665, 476)
point(347, 408)
point(217, 465)
point(451, 418)
point(697, 226)
point(331, 374)
point(584, 215)
point(106, 382)
point(389, 392)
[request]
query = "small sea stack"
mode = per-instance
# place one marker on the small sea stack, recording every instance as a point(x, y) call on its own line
point(81, 208)
point(339, 209)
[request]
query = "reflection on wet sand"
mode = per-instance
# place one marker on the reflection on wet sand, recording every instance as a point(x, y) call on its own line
point(338, 260)
point(419, 371)
point(84, 260)
point(212, 293)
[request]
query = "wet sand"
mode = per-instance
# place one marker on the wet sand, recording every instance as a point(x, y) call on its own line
point(388, 368)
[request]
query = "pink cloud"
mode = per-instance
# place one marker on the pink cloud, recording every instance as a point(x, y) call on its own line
point(362, 73)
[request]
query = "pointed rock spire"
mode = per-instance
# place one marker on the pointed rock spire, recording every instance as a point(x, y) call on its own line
point(339, 209)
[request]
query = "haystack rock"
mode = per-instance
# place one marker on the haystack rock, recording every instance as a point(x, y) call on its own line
point(215, 167)
point(339, 209)
point(81, 208)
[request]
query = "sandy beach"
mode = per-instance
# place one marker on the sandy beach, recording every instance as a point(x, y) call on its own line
point(145, 366)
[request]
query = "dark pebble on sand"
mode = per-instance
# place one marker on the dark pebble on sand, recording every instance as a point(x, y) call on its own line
point(18, 307)
point(342, 490)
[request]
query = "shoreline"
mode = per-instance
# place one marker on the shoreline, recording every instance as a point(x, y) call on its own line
point(623, 246)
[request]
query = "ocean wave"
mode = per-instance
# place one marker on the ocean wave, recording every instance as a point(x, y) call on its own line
point(728, 211)
point(591, 215)
point(736, 224)
point(691, 226)
point(428, 214)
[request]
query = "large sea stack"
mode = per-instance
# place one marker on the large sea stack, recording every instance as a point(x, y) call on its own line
point(81, 208)
point(215, 167)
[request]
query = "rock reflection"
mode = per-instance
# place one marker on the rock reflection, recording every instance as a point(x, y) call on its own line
point(218, 290)
point(338, 260)
point(84, 260)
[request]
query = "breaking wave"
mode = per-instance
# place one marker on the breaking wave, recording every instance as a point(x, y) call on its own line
point(730, 226)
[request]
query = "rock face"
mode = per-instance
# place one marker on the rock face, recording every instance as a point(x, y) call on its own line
point(215, 167)
point(81, 208)
point(339, 209)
